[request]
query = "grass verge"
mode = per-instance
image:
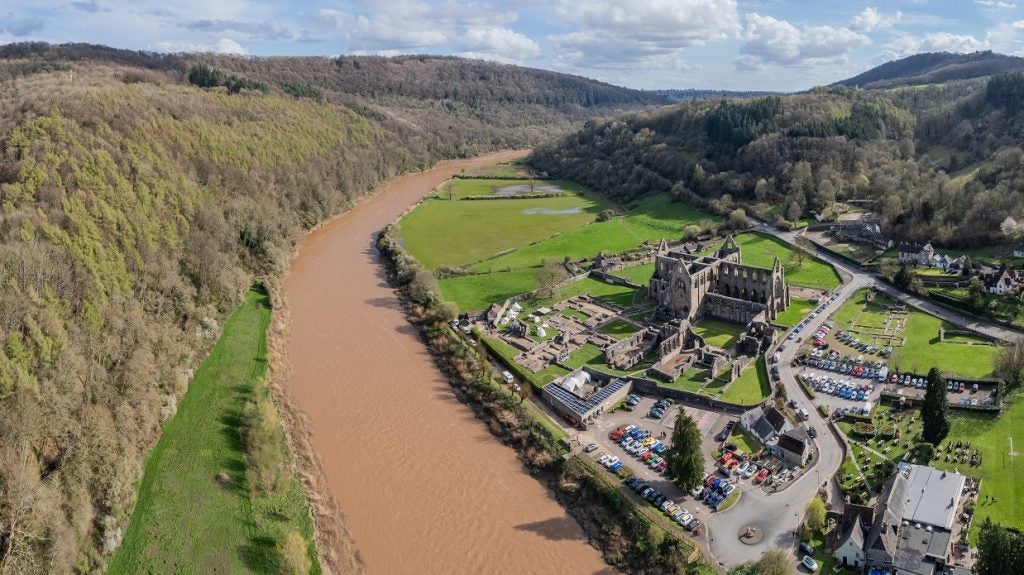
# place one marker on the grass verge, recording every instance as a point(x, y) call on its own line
point(185, 521)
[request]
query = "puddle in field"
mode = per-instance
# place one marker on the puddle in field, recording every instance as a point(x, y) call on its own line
point(550, 212)
point(516, 189)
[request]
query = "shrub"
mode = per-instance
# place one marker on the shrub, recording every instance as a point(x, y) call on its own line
point(293, 555)
point(864, 429)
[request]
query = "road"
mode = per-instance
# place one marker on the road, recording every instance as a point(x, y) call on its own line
point(779, 514)
point(864, 279)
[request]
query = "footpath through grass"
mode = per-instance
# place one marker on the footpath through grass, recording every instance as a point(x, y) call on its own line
point(184, 520)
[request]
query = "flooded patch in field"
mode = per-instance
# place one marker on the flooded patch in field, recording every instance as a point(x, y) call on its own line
point(550, 212)
point(517, 189)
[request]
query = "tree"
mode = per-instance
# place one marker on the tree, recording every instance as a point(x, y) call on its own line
point(935, 409)
point(814, 516)
point(774, 562)
point(888, 268)
point(685, 461)
point(1000, 550)
point(797, 256)
point(691, 231)
point(548, 275)
point(738, 219)
point(293, 555)
point(1011, 228)
point(697, 177)
point(976, 298)
point(1008, 363)
point(794, 211)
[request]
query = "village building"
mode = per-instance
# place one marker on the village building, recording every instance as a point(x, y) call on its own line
point(916, 255)
point(862, 230)
point(793, 446)
point(1003, 281)
point(850, 535)
point(913, 521)
point(1018, 250)
point(583, 395)
point(693, 287)
point(764, 423)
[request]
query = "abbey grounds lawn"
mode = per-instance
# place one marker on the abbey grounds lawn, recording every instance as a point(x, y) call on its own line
point(922, 349)
point(185, 521)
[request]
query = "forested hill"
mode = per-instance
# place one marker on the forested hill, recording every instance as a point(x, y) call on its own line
point(935, 67)
point(135, 208)
point(939, 162)
point(698, 94)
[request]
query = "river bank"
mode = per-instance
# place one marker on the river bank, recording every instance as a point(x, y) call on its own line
point(626, 538)
point(424, 487)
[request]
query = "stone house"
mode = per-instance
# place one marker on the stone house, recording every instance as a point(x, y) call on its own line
point(916, 255)
point(793, 446)
point(1018, 250)
point(764, 423)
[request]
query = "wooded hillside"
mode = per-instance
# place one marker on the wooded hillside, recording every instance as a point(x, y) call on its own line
point(939, 162)
point(136, 209)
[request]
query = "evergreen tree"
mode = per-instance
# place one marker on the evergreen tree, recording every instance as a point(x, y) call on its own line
point(935, 409)
point(685, 461)
point(1000, 550)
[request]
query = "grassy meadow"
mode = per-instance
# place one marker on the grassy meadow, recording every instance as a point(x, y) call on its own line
point(185, 521)
point(751, 386)
point(761, 250)
point(922, 350)
point(719, 333)
point(797, 310)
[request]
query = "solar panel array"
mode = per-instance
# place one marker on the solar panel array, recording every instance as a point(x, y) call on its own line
point(582, 407)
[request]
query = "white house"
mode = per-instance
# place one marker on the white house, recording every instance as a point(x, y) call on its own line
point(1003, 281)
point(850, 550)
point(916, 255)
point(1018, 250)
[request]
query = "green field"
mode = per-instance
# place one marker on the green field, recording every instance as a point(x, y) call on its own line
point(616, 294)
point(719, 333)
point(184, 520)
point(761, 250)
point(466, 187)
point(922, 350)
point(477, 292)
point(652, 219)
point(457, 233)
point(691, 380)
point(744, 441)
point(639, 275)
point(797, 310)
point(751, 386)
point(1002, 475)
point(590, 355)
point(619, 329)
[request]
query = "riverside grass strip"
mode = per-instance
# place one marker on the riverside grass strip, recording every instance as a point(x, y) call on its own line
point(185, 521)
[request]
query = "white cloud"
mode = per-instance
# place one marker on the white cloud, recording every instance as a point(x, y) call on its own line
point(497, 42)
point(247, 28)
point(21, 26)
point(937, 42)
point(767, 40)
point(870, 19)
point(1019, 24)
point(996, 4)
point(222, 46)
point(618, 33)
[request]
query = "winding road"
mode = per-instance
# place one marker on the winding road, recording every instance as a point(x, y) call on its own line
point(779, 514)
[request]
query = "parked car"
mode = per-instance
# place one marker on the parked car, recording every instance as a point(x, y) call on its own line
point(591, 447)
point(812, 432)
point(806, 548)
point(809, 563)
point(750, 472)
point(761, 476)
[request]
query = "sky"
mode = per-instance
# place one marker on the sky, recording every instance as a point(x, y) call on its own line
point(784, 45)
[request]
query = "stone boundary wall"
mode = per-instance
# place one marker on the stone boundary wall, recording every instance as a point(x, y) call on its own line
point(651, 387)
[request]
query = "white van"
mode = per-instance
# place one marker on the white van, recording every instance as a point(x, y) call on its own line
point(802, 413)
point(506, 376)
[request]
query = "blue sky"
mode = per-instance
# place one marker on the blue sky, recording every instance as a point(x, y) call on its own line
point(728, 44)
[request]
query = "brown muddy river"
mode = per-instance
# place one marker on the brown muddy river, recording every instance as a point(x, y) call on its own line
point(424, 485)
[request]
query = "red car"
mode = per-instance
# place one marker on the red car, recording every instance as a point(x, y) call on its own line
point(661, 466)
point(646, 456)
point(726, 457)
point(761, 476)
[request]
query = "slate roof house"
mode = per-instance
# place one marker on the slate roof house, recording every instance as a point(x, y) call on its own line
point(914, 521)
point(764, 423)
point(915, 254)
point(1003, 281)
point(851, 534)
point(793, 446)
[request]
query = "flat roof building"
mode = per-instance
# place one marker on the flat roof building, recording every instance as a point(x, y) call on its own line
point(582, 395)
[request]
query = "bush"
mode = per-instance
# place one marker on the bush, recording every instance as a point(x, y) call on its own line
point(889, 431)
point(264, 445)
point(863, 428)
point(293, 555)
